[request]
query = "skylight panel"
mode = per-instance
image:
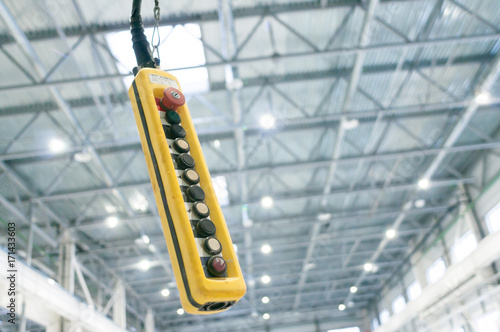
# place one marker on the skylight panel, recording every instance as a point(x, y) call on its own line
point(463, 247)
point(180, 47)
point(436, 271)
point(398, 304)
point(384, 316)
point(346, 329)
point(414, 290)
point(493, 219)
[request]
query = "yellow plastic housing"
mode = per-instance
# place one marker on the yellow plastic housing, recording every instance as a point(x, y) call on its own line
point(199, 294)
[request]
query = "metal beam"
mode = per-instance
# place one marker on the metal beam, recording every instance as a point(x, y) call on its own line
point(254, 60)
point(42, 296)
point(484, 86)
point(27, 48)
point(125, 145)
point(194, 17)
point(315, 193)
point(296, 221)
point(230, 51)
point(123, 99)
point(223, 132)
point(63, 225)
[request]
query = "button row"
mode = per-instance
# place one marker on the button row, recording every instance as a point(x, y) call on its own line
point(216, 265)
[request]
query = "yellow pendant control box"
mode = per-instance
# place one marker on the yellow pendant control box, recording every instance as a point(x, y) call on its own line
point(203, 259)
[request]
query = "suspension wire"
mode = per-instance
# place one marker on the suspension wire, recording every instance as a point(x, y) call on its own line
point(156, 30)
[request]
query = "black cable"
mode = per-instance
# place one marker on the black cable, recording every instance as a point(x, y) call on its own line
point(139, 40)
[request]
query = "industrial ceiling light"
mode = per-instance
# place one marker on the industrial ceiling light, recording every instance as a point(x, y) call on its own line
point(266, 316)
point(353, 289)
point(424, 183)
point(265, 299)
point(483, 98)
point(390, 233)
point(350, 124)
point(144, 265)
point(309, 266)
point(324, 216)
point(165, 292)
point(266, 249)
point(235, 84)
point(56, 145)
point(265, 279)
point(111, 222)
point(51, 281)
point(266, 202)
point(180, 311)
point(368, 267)
point(217, 143)
point(83, 156)
point(145, 239)
point(419, 203)
point(341, 307)
point(267, 121)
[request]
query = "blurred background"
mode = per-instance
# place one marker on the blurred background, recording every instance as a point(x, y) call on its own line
point(354, 146)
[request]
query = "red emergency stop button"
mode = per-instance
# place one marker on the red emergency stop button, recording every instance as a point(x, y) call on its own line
point(172, 99)
point(216, 266)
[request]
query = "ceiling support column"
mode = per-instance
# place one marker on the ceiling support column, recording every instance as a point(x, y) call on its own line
point(120, 306)
point(149, 323)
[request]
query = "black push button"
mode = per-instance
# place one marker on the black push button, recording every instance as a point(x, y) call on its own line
point(185, 161)
point(175, 131)
point(190, 176)
point(201, 209)
point(195, 193)
point(216, 266)
point(205, 227)
point(212, 246)
point(181, 145)
point(173, 117)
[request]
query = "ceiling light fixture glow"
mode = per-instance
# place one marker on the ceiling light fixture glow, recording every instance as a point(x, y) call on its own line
point(265, 279)
point(266, 249)
point(180, 311)
point(145, 239)
point(165, 292)
point(83, 157)
point(267, 121)
point(350, 124)
point(324, 216)
point(390, 233)
point(266, 316)
point(424, 183)
point(353, 289)
point(266, 202)
point(483, 98)
point(419, 203)
point(144, 265)
point(341, 307)
point(56, 145)
point(265, 299)
point(111, 222)
point(368, 267)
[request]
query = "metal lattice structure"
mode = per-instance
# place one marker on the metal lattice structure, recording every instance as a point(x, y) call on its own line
point(369, 97)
